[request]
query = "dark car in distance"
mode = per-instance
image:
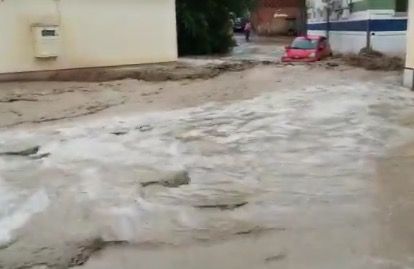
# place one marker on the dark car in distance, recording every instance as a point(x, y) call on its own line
point(239, 24)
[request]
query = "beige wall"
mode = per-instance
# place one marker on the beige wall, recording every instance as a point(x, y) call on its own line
point(410, 36)
point(409, 70)
point(93, 33)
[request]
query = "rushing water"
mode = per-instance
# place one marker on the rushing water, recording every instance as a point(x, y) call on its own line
point(303, 161)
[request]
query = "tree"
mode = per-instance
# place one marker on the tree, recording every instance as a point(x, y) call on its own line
point(204, 26)
point(303, 19)
point(329, 7)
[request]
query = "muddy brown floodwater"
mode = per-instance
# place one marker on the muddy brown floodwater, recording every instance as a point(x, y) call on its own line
point(269, 167)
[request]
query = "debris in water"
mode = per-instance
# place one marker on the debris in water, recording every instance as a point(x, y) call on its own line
point(374, 60)
point(171, 180)
point(332, 64)
point(119, 133)
point(257, 230)
point(145, 128)
point(276, 258)
point(24, 153)
point(40, 267)
point(40, 156)
point(13, 100)
point(84, 252)
point(224, 206)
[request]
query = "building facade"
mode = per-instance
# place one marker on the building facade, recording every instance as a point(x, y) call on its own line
point(40, 35)
point(277, 17)
point(409, 66)
point(354, 24)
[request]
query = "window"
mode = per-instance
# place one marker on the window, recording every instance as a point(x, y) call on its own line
point(401, 5)
point(304, 43)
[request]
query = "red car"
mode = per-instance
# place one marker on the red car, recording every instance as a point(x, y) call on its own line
point(307, 49)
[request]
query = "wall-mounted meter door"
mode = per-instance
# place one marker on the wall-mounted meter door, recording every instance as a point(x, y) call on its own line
point(47, 41)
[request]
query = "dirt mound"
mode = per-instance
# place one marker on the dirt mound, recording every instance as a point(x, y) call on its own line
point(152, 72)
point(67, 255)
point(374, 60)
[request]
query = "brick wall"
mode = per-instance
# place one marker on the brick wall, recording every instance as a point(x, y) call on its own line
point(265, 22)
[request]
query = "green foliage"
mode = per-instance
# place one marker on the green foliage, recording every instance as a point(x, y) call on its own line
point(204, 26)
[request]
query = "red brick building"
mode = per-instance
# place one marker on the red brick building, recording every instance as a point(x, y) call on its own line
point(277, 17)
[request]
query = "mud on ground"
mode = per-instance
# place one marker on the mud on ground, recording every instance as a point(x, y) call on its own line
point(183, 69)
point(164, 87)
point(374, 60)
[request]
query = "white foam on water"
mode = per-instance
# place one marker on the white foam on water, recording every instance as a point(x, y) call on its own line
point(311, 143)
point(15, 212)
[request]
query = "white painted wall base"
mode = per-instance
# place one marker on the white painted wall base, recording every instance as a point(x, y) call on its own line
point(409, 78)
point(390, 43)
point(347, 42)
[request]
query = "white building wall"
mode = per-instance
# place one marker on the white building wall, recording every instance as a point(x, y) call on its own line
point(392, 43)
point(93, 33)
point(348, 42)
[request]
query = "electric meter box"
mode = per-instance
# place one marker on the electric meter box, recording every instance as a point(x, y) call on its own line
point(46, 41)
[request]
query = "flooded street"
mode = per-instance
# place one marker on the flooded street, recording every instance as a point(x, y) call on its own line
point(302, 170)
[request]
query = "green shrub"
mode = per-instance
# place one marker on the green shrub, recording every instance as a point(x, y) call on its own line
point(204, 26)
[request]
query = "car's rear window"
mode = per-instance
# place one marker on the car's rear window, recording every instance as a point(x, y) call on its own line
point(303, 43)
